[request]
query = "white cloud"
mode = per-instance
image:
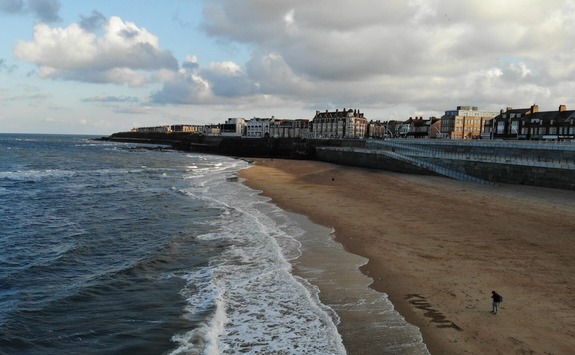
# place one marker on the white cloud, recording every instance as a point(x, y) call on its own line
point(520, 69)
point(379, 56)
point(123, 55)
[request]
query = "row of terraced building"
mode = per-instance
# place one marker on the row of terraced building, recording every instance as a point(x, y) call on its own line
point(465, 122)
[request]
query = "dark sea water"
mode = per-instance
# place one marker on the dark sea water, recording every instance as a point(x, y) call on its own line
point(114, 248)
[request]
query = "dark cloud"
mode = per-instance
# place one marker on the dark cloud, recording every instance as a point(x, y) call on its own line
point(180, 90)
point(12, 6)
point(230, 84)
point(8, 68)
point(147, 57)
point(180, 22)
point(129, 33)
point(45, 10)
point(189, 65)
point(194, 84)
point(93, 22)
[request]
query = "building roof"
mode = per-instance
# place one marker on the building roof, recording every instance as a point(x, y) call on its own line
point(533, 114)
point(338, 114)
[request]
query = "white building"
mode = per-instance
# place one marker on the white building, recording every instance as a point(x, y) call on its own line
point(259, 127)
point(234, 126)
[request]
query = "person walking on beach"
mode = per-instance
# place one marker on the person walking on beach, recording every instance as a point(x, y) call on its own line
point(497, 299)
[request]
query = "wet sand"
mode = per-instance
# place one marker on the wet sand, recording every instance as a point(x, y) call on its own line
point(438, 247)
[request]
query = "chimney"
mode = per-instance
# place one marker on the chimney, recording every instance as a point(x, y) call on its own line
point(562, 108)
point(534, 108)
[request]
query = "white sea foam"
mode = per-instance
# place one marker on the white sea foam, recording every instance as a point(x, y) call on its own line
point(249, 295)
point(35, 175)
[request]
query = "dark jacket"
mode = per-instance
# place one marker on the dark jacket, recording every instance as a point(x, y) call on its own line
point(496, 297)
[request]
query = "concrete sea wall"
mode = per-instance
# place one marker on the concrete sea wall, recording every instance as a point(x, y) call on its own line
point(537, 163)
point(527, 163)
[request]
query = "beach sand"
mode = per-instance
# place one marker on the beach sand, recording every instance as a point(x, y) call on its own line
point(438, 247)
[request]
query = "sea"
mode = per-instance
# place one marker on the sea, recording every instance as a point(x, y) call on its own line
point(120, 248)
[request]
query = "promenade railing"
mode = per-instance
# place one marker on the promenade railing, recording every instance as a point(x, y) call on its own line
point(438, 169)
point(438, 150)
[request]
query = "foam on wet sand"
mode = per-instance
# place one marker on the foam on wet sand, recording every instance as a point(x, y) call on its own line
point(438, 247)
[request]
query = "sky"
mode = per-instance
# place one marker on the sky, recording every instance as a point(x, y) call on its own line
point(105, 66)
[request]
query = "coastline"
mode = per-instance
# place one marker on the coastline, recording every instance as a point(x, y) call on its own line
point(438, 247)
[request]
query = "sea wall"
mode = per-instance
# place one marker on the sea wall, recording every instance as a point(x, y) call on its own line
point(367, 159)
point(514, 174)
point(294, 148)
point(512, 162)
point(537, 164)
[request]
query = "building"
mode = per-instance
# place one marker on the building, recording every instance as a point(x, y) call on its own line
point(211, 130)
point(161, 129)
point(339, 124)
point(530, 123)
point(186, 128)
point(259, 127)
point(435, 129)
point(376, 129)
point(415, 128)
point(235, 126)
point(393, 128)
point(466, 122)
point(284, 128)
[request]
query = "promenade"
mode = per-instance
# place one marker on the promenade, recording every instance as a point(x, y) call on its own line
point(537, 163)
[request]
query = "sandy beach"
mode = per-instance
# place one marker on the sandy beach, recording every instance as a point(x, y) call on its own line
point(438, 247)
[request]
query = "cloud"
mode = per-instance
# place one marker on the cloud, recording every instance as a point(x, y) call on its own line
point(124, 54)
point(194, 84)
point(34, 98)
point(135, 110)
point(93, 22)
point(8, 68)
point(387, 56)
point(184, 87)
point(418, 53)
point(227, 79)
point(12, 6)
point(45, 10)
point(111, 99)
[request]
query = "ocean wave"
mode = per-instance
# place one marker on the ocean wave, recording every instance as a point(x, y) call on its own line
point(35, 175)
point(247, 298)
